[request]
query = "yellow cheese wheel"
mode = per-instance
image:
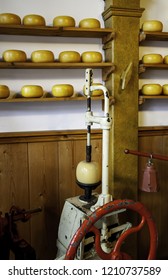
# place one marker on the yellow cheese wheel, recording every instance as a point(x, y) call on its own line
point(165, 60)
point(62, 90)
point(42, 56)
point(30, 91)
point(14, 56)
point(152, 25)
point(165, 89)
point(91, 56)
point(4, 91)
point(96, 92)
point(64, 21)
point(69, 56)
point(152, 58)
point(89, 23)
point(9, 18)
point(34, 20)
point(88, 172)
point(151, 89)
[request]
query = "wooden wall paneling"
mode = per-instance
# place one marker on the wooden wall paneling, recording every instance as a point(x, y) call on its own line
point(44, 192)
point(14, 182)
point(66, 171)
point(155, 202)
point(163, 207)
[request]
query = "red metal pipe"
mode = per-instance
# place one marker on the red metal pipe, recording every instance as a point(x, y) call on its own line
point(143, 154)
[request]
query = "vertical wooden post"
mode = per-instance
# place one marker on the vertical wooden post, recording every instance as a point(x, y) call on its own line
point(123, 16)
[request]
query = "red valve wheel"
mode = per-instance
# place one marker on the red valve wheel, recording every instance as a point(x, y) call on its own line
point(115, 254)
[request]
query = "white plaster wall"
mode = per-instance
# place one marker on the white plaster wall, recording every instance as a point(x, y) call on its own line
point(154, 112)
point(70, 115)
point(48, 115)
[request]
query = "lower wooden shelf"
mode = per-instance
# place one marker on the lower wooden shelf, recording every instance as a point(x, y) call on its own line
point(142, 98)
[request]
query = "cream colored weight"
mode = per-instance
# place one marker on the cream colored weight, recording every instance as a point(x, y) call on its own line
point(88, 172)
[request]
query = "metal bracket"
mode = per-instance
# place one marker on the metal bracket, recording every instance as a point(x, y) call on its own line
point(107, 72)
point(108, 37)
point(142, 68)
point(141, 100)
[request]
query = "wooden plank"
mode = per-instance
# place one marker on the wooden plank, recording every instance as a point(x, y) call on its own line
point(54, 31)
point(155, 202)
point(54, 65)
point(66, 172)
point(14, 182)
point(44, 192)
point(45, 136)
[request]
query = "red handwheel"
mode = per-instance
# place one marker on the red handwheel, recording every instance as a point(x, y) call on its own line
point(115, 254)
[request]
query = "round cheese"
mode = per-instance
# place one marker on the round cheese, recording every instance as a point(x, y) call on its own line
point(152, 58)
point(4, 91)
point(42, 56)
point(96, 92)
point(62, 90)
point(34, 20)
point(9, 18)
point(91, 56)
point(165, 60)
point(69, 56)
point(14, 56)
point(88, 172)
point(89, 23)
point(152, 25)
point(30, 91)
point(151, 89)
point(165, 89)
point(64, 21)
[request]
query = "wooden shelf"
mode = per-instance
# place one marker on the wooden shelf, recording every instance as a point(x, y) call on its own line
point(153, 36)
point(49, 98)
point(142, 98)
point(144, 66)
point(53, 65)
point(106, 33)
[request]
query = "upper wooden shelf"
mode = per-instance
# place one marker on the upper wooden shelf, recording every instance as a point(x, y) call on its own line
point(53, 65)
point(153, 36)
point(106, 33)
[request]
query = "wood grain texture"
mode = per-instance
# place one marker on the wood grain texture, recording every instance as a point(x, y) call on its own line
point(156, 202)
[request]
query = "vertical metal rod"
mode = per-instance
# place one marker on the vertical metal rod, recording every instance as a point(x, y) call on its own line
point(88, 145)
